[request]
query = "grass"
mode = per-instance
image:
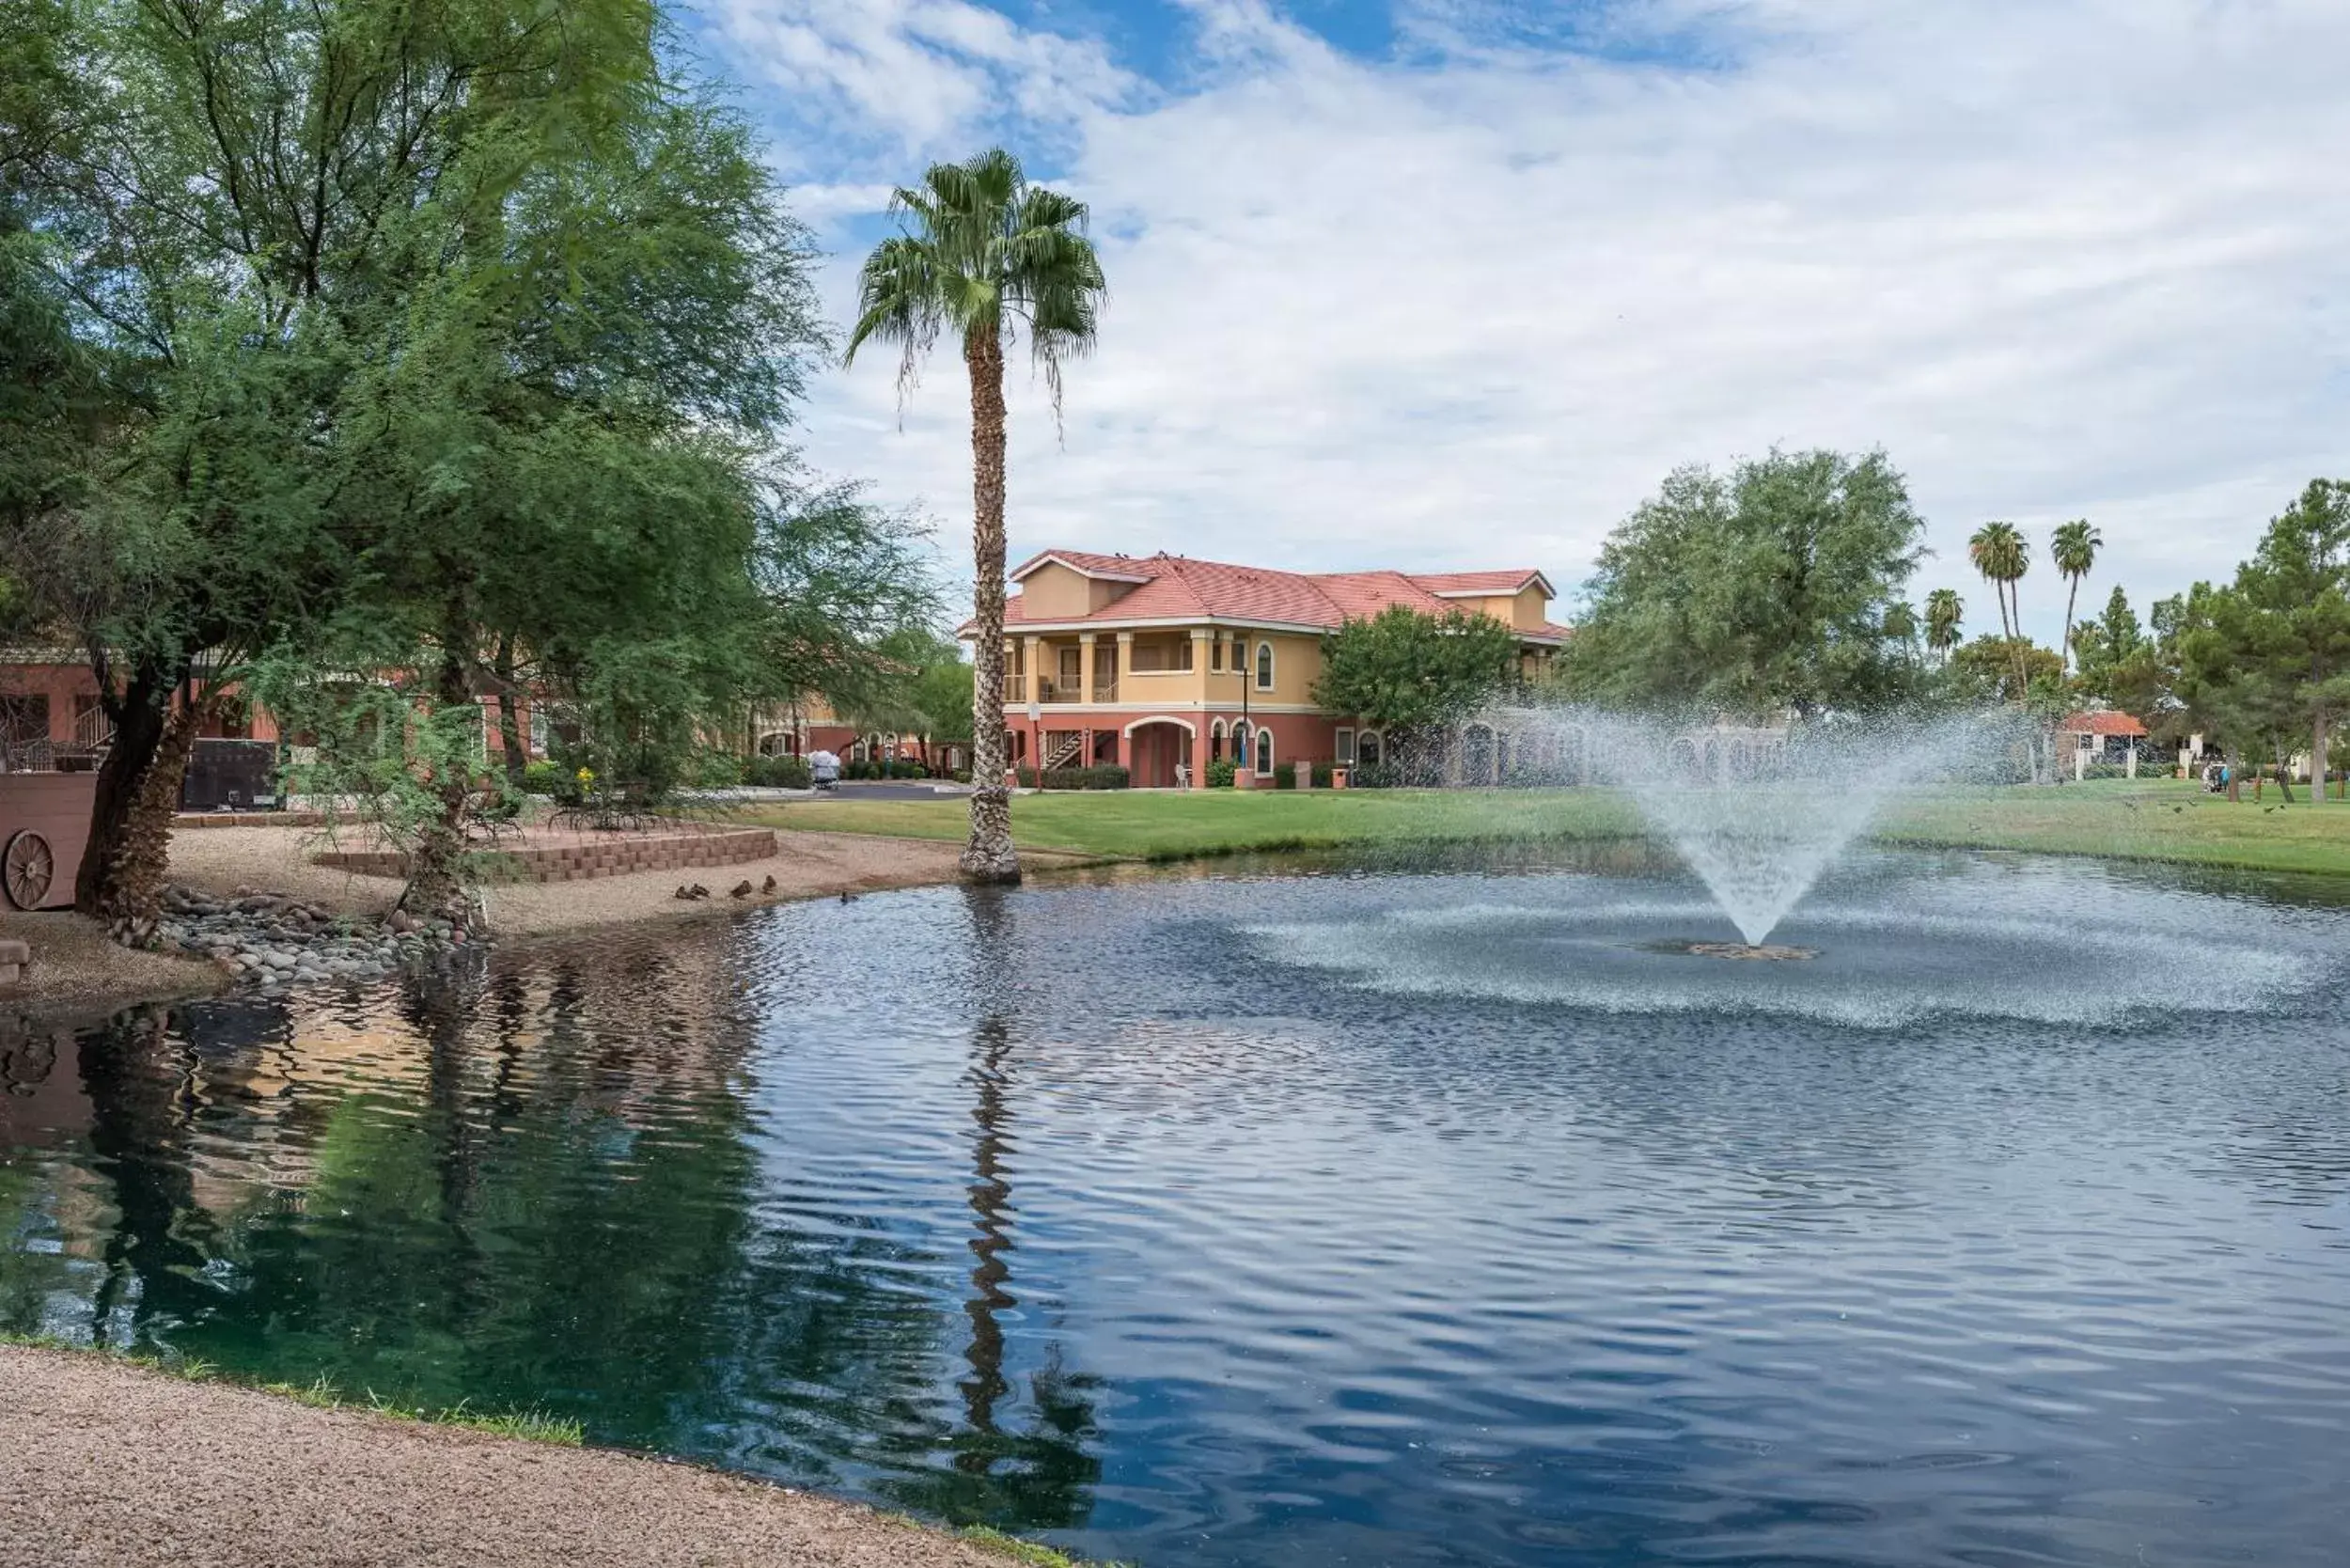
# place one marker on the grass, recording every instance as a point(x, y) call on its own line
point(2147, 819)
point(1149, 826)
point(2162, 819)
point(532, 1426)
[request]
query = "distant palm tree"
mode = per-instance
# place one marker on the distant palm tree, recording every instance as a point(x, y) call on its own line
point(985, 256)
point(2074, 549)
point(1999, 552)
point(1945, 610)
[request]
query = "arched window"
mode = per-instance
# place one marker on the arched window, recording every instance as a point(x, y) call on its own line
point(1216, 741)
point(1264, 754)
point(1264, 666)
point(1366, 748)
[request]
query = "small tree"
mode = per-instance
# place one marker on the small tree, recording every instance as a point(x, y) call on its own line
point(1407, 672)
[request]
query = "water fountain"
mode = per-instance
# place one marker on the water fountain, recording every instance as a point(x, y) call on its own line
point(1757, 812)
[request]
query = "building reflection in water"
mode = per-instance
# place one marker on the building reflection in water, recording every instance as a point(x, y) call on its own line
point(541, 1181)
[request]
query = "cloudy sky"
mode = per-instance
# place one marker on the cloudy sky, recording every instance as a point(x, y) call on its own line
point(1454, 283)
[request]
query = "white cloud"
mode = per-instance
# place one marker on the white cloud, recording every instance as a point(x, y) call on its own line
point(2059, 258)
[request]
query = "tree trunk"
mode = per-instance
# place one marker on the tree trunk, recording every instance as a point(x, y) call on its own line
point(436, 884)
point(990, 856)
point(517, 757)
point(2284, 786)
point(2065, 653)
point(2317, 761)
point(122, 878)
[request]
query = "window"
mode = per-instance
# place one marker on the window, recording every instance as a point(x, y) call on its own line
point(1264, 666)
point(1215, 654)
point(1346, 748)
point(1015, 659)
point(1240, 656)
point(1073, 666)
point(539, 731)
point(1367, 749)
point(1264, 754)
point(1160, 658)
point(1215, 733)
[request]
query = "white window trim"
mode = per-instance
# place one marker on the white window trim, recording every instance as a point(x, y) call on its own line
point(1261, 763)
point(1263, 667)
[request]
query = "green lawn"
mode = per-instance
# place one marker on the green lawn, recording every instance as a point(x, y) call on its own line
point(2148, 819)
point(1154, 826)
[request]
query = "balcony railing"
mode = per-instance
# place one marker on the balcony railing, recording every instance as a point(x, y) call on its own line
point(1049, 691)
point(1105, 691)
point(1015, 689)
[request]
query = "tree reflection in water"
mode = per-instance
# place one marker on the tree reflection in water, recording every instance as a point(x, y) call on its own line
point(538, 1184)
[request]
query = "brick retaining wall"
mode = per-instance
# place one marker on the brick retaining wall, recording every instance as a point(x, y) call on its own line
point(586, 857)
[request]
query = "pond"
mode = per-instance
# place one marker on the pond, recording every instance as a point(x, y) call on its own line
point(1296, 1215)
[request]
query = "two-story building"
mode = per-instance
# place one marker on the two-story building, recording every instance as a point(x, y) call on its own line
point(1161, 663)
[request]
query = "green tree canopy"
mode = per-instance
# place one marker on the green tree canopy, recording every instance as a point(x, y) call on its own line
point(2265, 660)
point(1755, 592)
point(1402, 670)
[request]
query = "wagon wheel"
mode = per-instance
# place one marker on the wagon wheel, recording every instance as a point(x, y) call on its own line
point(28, 867)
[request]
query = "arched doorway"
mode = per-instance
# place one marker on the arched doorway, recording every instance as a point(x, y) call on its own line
point(1157, 748)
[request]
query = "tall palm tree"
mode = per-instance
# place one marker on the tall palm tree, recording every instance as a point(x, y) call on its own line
point(1999, 552)
point(2074, 549)
point(987, 256)
point(1945, 610)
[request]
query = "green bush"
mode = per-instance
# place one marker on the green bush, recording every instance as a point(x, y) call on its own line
point(1220, 772)
point(1106, 777)
point(906, 767)
point(715, 770)
point(777, 773)
point(543, 777)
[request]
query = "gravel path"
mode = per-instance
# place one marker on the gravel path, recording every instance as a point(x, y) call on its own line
point(76, 969)
point(110, 1466)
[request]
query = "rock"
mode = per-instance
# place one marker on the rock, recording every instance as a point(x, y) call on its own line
point(741, 889)
point(700, 891)
point(767, 886)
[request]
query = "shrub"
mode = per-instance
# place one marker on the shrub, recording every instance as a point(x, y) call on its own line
point(543, 777)
point(715, 770)
point(777, 773)
point(1220, 772)
point(1284, 777)
point(906, 767)
point(1105, 777)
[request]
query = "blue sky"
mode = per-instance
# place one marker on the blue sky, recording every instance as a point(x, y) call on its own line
point(1445, 283)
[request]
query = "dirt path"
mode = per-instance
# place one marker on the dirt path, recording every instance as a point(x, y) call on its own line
point(110, 1466)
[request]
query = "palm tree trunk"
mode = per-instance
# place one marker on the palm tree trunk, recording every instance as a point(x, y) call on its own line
point(989, 855)
point(2065, 653)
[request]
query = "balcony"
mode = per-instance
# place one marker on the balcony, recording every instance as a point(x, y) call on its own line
point(1049, 691)
point(1105, 691)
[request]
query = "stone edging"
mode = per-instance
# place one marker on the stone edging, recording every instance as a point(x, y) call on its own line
point(582, 862)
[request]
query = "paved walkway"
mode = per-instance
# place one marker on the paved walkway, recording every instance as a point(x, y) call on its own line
point(104, 1466)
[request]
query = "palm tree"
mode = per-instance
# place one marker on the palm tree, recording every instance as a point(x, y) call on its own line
point(1999, 552)
point(2074, 549)
point(986, 256)
point(1945, 610)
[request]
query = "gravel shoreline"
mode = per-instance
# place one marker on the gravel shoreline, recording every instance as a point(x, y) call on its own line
point(110, 1465)
point(341, 930)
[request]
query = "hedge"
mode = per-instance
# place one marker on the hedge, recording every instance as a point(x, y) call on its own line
point(1106, 777)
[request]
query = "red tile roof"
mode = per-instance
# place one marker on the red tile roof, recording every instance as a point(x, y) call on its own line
point(2103, 722)
point(1177, 588)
